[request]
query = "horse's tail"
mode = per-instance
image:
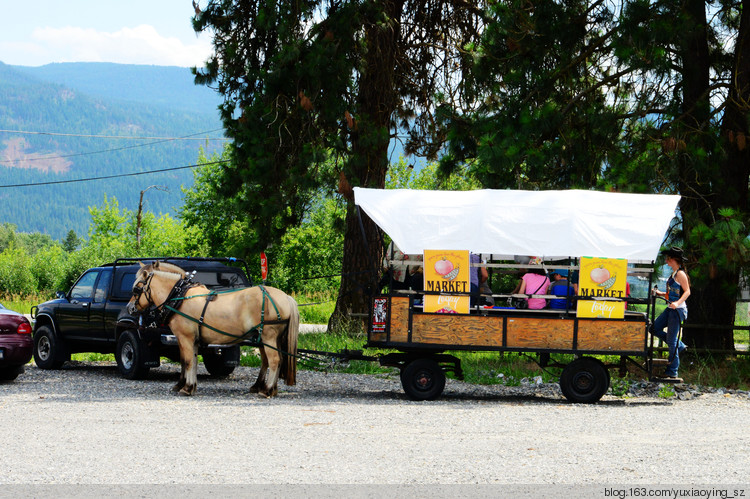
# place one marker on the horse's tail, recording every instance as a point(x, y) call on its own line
point(289, 342)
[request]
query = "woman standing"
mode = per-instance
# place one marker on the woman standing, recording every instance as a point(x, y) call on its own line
point(678, 291)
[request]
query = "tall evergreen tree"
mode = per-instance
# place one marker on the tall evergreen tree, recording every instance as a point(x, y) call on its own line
point(647, 96)
point(305, 79)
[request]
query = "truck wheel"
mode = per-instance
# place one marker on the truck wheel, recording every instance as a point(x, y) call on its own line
point(423, 379)
point(131, 357)
point(221, 363)
point(585, 380)
point(49, 351)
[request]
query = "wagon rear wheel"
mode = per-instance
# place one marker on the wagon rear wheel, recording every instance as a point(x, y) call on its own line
point(585, 380)
point(423, 379)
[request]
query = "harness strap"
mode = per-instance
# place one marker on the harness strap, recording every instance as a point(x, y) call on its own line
point(258, 328)
point(209, 298)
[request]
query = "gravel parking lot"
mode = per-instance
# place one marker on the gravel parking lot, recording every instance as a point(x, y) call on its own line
point(86, 425)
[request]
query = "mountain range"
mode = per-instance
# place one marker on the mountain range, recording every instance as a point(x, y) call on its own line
point(62, 124)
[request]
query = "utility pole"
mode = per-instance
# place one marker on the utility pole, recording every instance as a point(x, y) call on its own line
point(140, 211)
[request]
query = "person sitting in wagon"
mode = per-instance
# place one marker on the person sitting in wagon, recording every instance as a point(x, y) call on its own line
point(404, 276)
point(534, 282)
point(560, 286)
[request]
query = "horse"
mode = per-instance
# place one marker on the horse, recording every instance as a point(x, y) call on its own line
point(228, 317)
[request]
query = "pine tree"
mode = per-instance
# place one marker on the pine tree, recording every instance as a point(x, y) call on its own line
point(306, 81)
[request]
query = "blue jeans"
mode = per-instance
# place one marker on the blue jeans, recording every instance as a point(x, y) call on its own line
point(672, 320)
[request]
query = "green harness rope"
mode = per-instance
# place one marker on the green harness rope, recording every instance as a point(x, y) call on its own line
point(258, 328)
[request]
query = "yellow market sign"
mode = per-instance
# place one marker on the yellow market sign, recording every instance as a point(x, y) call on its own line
point(446, 272)
point(602, 278)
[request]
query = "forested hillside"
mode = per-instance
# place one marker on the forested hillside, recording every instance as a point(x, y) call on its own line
point(30, 104)
point(167, 86)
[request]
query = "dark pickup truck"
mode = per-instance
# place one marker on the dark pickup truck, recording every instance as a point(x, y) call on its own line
point(93, 317)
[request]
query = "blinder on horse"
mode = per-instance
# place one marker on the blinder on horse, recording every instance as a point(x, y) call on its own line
point(143, 288)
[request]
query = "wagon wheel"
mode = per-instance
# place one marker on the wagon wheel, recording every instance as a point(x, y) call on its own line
point(585, 380)
point(423, 379)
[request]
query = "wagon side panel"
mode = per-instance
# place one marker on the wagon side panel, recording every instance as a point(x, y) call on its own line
point(533, 332)
point(399, 329)
point(458, 330)
point(602, 335)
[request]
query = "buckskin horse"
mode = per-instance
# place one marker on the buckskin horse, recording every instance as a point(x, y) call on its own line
point(266, 316)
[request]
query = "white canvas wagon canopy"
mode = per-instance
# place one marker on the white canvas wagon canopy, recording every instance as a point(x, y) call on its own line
point(509, 222)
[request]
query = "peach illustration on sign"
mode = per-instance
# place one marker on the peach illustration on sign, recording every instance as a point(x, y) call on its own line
point(603, 278)
point(446, 269)
point(599, 275)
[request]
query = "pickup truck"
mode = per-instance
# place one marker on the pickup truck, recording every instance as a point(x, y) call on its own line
point(93, 317)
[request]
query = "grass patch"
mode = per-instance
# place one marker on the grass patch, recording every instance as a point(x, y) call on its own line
point(23, 303)
point(93, 357)
point(494, 368)
point(724, 371)
point(316, 308)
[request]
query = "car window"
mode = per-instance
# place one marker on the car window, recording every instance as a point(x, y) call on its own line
point(102, 286)
point(214, 279)
point(124, 284)
point(84, 288)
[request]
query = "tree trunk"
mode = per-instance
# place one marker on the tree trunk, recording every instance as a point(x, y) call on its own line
point(709, 303)
point(717, 302)
point(368, 166)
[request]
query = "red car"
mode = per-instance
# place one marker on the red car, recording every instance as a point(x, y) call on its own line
point(16, 345)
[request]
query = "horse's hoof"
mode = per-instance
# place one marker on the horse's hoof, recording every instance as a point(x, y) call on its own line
point(177, 388)
point(254, 389)
point(186, 391)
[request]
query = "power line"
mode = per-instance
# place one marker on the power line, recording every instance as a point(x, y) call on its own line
point(112, 176)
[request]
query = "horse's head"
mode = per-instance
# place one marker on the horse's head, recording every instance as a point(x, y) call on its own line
point(141, 298)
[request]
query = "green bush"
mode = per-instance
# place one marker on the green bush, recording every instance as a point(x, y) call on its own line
point(48, 268)
point(15, 272)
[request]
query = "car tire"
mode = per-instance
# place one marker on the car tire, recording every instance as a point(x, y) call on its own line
point(131, 356)
point(50, 351)
point(215, 361)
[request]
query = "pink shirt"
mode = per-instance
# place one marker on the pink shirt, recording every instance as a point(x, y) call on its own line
point(536, 285)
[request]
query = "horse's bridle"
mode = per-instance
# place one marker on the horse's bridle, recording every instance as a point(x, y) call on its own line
point(163, 311)
point(145, 288)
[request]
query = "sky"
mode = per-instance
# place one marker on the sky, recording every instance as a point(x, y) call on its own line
point(153, 32)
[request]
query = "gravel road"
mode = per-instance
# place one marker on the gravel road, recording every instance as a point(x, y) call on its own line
point(86, 425)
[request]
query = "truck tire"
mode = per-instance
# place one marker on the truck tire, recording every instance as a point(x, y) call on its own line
point(221, 363)
point(50, 352)
point(423, 379)
point(131, 357)
point(584, 381)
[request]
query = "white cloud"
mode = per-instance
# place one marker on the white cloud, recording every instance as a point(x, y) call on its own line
point(139, 45)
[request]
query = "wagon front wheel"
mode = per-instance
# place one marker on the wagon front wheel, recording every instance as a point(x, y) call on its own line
point(423, 379)
point(585, 380)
